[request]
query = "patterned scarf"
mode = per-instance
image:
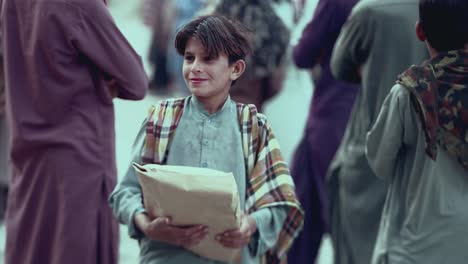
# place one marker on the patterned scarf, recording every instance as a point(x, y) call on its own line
point(439, 89)
point(269, 182)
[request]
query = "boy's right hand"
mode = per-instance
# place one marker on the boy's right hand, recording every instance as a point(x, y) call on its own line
point(161, 229)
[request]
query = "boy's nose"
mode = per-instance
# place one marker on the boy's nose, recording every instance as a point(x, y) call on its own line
point(197, 67)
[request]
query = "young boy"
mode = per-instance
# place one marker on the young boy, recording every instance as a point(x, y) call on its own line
point(420, 144)
point(207, 129)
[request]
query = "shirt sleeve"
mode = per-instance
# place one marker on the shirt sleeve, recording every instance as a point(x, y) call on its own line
point(386, 137)
point(126, 200)
point(97, 38)
point(269, 225)
point(353, 45)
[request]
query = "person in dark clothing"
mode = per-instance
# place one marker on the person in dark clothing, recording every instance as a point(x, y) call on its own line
point(328, 115)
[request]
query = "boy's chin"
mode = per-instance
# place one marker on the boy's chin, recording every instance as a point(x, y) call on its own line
point(198, 92)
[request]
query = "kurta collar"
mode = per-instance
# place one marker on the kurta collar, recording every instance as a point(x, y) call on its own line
point(199, 108)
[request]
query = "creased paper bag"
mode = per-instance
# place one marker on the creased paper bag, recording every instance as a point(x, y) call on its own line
point(193, 196)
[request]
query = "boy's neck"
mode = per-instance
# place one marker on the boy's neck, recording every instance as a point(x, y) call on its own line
point(214, 104)
point(434, 53)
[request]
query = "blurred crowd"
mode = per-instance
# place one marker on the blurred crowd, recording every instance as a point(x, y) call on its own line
point(382, 162)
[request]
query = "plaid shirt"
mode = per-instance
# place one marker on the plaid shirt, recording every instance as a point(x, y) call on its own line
point(269, 183)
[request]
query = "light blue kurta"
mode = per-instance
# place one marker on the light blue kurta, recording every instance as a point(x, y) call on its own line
point(375, 45)
point(201, 140)
point(425, 217)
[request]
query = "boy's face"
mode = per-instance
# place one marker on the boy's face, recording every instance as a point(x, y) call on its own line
point(206, 77)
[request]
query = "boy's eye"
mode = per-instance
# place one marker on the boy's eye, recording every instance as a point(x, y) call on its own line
point(210, 58)
point(188, 57)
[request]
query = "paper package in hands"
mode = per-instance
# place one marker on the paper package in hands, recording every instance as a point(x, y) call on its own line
point(194, 196)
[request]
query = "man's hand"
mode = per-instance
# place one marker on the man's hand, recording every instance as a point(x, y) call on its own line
point(239, 238)
point(161, 229)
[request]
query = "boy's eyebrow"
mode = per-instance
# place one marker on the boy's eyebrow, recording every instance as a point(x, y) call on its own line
point(191, 53)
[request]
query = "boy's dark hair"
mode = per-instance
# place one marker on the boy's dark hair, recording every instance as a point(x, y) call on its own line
point(445, 23)
point(217, 35)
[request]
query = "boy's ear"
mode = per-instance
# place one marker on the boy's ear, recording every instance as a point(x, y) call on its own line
point(238, 69)
point(420, 32)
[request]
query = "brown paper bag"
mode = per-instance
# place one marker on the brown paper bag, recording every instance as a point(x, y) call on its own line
point(192, 196)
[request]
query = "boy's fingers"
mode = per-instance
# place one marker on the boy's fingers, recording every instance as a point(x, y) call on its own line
point(233, 233)
point(237, 234)
point(192, 230)
point(231, 230)
point(161, 221)
point(234, 244)
point(196, 238)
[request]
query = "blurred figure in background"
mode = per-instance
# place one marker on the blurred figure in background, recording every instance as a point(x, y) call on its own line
point(266, 68)
point(165, 17)
point(65, 61)
point(375, 45)
point(158, 15)
point(329, 112)
point(4, 173)
point(299, 7)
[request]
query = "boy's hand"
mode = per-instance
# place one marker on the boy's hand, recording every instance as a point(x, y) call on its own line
point(239, 238)
point(161, 229)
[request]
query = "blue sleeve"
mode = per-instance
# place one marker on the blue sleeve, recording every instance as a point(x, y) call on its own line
point(126, 200)
point(269, 225)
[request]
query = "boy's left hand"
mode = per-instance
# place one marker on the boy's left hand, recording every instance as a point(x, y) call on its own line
point(239, 238)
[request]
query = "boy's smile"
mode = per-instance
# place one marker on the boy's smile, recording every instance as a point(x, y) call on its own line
point(197, 81)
